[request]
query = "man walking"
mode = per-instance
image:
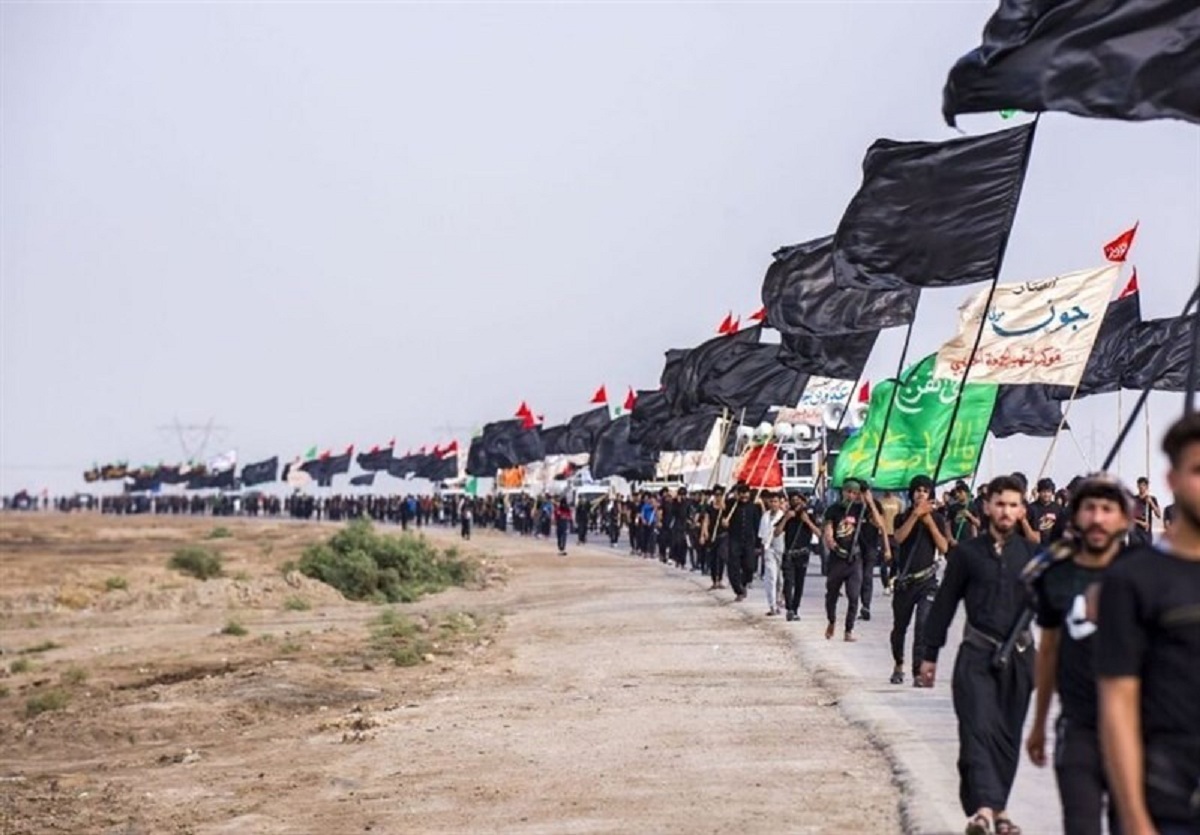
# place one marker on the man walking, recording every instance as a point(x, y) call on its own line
point(798, 532)
point(1065, 581)
point(741, 523)
point(1148, 662)
point(921, 535)
point(991, 692)
point(843, 538)
point(771, 536)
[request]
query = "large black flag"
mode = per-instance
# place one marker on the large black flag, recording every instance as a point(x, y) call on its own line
point(757, 375)
point(1025, 410)
point(584, 428)
point(688, 433)
point(438, 467)
point(504, 444)
point(202, 480)
point(171, 474)
point(700, 362)
point(1159, 353)
point(672, 368)
point(932, 214)
point(651, 410)
point(323, 469)
point(842, 356)
point(375, 459)
point(1109, 359)
point(554, 439)
point(615, 455)
point(402, 466)
point(143, 480)
point(261, 472)
point(1112, 59)
point(364, 480)
point(800, 295)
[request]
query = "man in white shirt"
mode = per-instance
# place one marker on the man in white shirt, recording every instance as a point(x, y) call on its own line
point(770, 534)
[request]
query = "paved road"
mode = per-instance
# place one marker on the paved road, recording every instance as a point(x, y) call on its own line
point(915, 727)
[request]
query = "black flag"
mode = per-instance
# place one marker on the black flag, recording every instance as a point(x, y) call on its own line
point(700, 362)
point(932, 214)
point(502, 445)
point(364, 480)
point(143, 480)
point(583, 429)
point(651, 410)
point(1159, 352)
point(554, 439)
point(1112, 59)
point(800, 295)
point(756, 376)
point(842, 356)
point(672, 368)
point(1025, 410)
point(615, 455)
point(688, 433)
point(375, 459)
point(260, 473)
point(168, 474)
point(1109, 360)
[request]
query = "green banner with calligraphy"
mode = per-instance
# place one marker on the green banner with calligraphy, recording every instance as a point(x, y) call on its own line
point(917, 430)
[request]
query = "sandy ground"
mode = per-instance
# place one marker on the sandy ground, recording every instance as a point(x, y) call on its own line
point(594, 693)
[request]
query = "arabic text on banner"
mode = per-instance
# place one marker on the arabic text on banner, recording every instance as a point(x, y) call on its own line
point(1036, 331)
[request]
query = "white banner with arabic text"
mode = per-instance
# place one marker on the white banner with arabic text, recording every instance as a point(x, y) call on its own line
point(1036, 331)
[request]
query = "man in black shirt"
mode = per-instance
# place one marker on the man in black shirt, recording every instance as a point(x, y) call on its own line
point(741, 523)
point(961, 515)
point(798, 531)
point(843, 538)
point(920, 537)
point(991, 694)
point(1065, 581)
point(1045, 520)
point(1148, 662)
point(1145, 508)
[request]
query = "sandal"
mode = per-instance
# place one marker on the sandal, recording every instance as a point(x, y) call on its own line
point(979, 825)
point(1004, 826)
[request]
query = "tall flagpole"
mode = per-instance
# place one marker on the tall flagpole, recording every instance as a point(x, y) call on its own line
point(1012, 213)
point(887, 415)
point(1147, 421)
point(1120, 400)
point(1061, 425)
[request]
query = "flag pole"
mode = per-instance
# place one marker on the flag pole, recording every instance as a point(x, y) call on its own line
point(887, 415)
point(1012, 213)
point(1189, 388)
point(1147, 422)
point(1120, 401)
point(1087, 461)
point(1144, 396)
point(1061, 424)
point(727, 424)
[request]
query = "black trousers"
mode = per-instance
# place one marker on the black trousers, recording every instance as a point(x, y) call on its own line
point(990, 705)
point(679, 546)
point(718, 552)
point(466, 528)
point(1082, 785)
point(911, 604)
point(869, 559)
point(561, 528)
point(795, 570)
point(843, 573)
point(739, 564)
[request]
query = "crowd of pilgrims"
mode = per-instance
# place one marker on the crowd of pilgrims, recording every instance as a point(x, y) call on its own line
point(1007, 554)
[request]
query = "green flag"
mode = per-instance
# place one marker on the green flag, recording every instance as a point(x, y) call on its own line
point(472, 486)
point(1008, 114)
point(310, 454)
point(917, 430)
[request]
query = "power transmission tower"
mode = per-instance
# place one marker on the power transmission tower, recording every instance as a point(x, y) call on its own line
point(194, 438)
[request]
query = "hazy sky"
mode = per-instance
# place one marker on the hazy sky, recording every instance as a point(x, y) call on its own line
point(339, 223)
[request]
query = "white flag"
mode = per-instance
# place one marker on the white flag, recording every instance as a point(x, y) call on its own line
point(1036, 332)
point(224, 461)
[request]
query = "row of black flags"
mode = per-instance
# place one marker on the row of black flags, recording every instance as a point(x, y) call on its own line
point(927, 215)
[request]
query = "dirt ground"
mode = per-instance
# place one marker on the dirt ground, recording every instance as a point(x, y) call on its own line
point(593, 693)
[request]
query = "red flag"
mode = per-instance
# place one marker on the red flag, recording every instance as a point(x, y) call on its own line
point(601, 395)
point(1131, 287)
point(326, 454)
point(421, 451)
point(864, 393)
point(1118, 248)
point(735, 326)
point(726, 325)
point(759, 315)
point(437, 451)
point(523, 410)
point(527, 421)
point(760, 467)
point(392, 443)
point(451, 447)
point(373, 450)
point(630, 400)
